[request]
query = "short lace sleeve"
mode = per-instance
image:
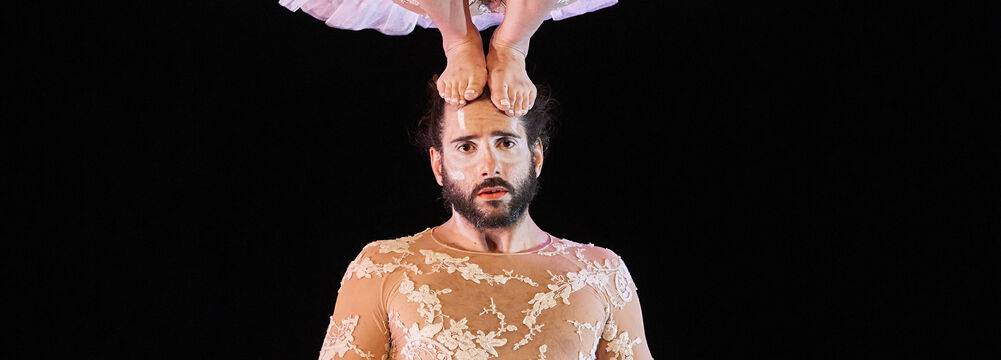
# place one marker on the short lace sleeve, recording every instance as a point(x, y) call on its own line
point(357, 328)
point(623, 336)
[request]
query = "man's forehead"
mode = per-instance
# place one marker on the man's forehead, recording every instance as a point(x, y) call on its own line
point(477, 119)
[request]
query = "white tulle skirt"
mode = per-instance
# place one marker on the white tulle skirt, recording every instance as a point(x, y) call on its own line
point(398, 17)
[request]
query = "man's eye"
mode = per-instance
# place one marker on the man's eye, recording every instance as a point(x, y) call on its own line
point(465, 147)
point(507, 144)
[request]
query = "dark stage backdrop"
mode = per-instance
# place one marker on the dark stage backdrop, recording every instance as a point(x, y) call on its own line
point(814, 181)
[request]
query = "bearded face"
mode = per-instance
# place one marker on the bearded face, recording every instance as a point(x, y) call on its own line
point(487, 165)
point(476, 206)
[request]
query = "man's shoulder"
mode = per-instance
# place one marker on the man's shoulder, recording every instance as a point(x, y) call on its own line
point(397, 247)
point(382, 257)
point(583, 251)
point(615, 278)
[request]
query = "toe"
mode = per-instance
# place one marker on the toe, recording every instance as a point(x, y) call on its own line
point(526, 100)
point(476, 84)
point(471, 94)
point(455, 93)
point(519, 103)
point(531, 98)
point(460, 89)
point(441, 88)
point(447, 92)
point(500, 98)
point(512, 96)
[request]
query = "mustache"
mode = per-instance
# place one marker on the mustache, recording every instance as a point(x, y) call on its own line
point(492, 182)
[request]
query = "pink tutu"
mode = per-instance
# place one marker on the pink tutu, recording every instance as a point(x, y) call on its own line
point(392, 18)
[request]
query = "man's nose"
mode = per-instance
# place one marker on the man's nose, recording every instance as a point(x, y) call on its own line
point(490, 167)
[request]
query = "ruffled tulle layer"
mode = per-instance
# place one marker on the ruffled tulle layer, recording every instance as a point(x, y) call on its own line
point(390, 18)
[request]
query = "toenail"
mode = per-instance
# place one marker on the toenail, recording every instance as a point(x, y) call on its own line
point(470, 91)
point(505, 102)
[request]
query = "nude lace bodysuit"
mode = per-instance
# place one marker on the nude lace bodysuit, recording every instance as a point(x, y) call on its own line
point(417, 298)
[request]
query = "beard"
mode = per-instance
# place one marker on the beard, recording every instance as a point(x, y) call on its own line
point(499, 215)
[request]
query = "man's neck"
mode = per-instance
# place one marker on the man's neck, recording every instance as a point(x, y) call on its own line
point(524, 235)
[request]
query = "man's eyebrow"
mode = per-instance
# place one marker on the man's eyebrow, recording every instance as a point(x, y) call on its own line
point(504, 134)
point(495, 133)
point(463, 138)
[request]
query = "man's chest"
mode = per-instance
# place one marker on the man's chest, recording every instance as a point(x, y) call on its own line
point(481, 315)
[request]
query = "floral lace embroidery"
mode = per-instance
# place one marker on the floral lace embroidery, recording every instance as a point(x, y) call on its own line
point(417, 340)
point(610, 330)
point(455, 342)
point(451, 343)
point(595, 332)
point(623, 281)
point(492, 309)
point(401, 245)
point(429, 306)
point(622, 346)
point(488, 341)
point(561, 248)
point(595, 273)
point(365, 268)
point(462, 342)
point(469, 271)
point(340, 338)
point(542, 352)
point(599, 273)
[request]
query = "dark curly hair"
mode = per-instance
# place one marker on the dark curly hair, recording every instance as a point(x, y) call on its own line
point(539, 121)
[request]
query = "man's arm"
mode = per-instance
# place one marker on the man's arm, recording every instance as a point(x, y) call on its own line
point(623, 337)
point(358, 327)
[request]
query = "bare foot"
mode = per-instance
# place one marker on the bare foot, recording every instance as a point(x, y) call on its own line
point(465, 75)
point(510, 88)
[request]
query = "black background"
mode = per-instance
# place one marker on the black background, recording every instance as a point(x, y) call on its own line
point(804, 181)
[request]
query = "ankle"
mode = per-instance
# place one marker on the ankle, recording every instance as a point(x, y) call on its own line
point(456, 46)
point(512, 49)
point(452, 43)
point(518, 48)
point(503, 37)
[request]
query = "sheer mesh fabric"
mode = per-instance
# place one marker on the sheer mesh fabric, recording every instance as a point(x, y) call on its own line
point(416, 298)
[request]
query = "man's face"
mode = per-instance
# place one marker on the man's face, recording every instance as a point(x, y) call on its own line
point(487, 168)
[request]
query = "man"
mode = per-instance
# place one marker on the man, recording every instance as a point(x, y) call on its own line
point(488, 283)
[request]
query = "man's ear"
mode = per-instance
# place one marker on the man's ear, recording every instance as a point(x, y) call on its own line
point(435, 156)
point(539, 156)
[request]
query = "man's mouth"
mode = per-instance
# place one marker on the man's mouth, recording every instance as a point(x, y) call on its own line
point(492, 193)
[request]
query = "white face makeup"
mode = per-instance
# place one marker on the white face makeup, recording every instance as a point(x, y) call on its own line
point(478, 154)
point(482, 143)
